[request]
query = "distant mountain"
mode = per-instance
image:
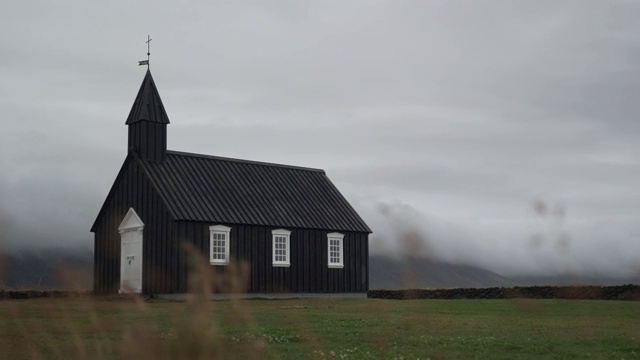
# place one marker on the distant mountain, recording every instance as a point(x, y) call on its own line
point(45, 270)
point(417, 273)
point(423, 273)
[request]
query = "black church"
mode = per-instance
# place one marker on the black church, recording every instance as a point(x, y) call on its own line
point(289, 224)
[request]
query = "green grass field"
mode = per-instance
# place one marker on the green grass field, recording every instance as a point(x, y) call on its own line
point(319, 328)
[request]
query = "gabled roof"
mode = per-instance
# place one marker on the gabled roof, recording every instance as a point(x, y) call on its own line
point(231, 191)
point(148, 106)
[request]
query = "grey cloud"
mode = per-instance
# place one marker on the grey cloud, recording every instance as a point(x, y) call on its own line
point(540, 245)
point(456, 115)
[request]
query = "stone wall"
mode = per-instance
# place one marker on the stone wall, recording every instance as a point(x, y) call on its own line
point(620, 292)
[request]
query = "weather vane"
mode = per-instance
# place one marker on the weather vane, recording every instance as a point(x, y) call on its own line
point(146, 62)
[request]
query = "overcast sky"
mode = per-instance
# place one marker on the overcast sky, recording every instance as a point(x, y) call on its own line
point(504, 133)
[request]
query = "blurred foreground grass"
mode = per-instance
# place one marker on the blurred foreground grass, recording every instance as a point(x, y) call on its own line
point(86, 328)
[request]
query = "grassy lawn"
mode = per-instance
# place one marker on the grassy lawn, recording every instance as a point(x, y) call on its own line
point(320, 328)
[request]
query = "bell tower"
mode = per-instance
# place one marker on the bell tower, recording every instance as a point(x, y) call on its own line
point(147, 122)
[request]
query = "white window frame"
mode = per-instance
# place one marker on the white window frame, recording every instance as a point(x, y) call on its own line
point(340, 239)
point(278, 234)
point(223, 230)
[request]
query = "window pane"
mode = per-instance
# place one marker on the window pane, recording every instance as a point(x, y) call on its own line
point(280, 249)
point(335, 251)
point(219, 246)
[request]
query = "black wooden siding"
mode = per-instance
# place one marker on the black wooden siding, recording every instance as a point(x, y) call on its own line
point(308, 272)
point(148, 140)
point(160, 250)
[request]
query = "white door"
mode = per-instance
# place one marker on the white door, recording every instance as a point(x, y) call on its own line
point(131, 262)
point(131, 235)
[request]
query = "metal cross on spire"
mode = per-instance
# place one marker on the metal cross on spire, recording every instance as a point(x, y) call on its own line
point(146, 62)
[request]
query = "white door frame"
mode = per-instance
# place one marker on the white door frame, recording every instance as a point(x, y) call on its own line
point(131, 239)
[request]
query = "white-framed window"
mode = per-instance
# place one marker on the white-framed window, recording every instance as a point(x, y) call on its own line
point(219, 244)
point(280, 246)
point(335, 252)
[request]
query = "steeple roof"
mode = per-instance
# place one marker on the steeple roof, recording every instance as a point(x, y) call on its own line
point(147, 106)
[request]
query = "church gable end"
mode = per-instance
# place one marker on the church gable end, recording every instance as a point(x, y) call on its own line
point(133, 190)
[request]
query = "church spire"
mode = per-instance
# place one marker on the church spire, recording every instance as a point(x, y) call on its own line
point(147, 122)
point(148, 106)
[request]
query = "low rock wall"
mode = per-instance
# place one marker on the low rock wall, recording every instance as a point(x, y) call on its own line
point(32, 294)
point(620, 292)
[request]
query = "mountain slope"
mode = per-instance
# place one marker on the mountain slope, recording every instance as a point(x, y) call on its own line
point(413, 273)
point(53, 269)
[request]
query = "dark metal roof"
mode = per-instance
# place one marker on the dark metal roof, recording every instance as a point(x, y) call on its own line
point(231, 191)
point(148, 106)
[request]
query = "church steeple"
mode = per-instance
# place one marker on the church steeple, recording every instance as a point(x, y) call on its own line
point(147, 122)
